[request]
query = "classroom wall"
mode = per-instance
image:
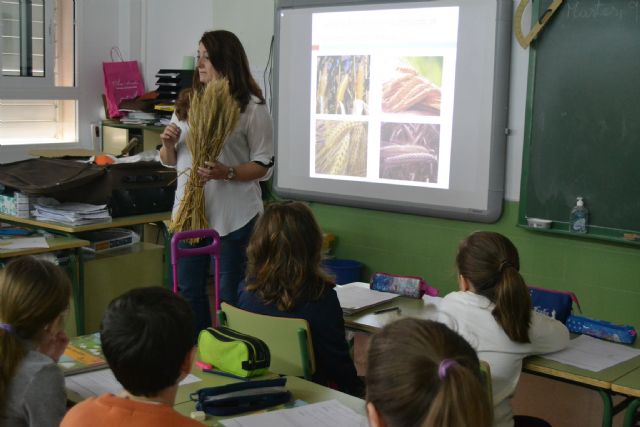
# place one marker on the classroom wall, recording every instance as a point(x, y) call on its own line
point(606, 277)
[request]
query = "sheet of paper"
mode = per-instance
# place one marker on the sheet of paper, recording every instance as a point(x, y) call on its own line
point(354, 297)
point(593, 354)
point(23, 243)
point(330, 413)
point(103, 381)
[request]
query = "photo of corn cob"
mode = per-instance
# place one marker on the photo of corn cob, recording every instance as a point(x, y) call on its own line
point(341, 148)
point(414, 87)
point(342, 85)
point(409, 151)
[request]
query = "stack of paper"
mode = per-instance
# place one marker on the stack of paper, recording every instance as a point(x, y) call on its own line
point(330, 414)
point(593, 354)
point(354, 297)
point(48, 209)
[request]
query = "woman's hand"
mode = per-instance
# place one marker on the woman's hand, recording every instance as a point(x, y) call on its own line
point(213, 170)
point(53, 345)
point(170, 135)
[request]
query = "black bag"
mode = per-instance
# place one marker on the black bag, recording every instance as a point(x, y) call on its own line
point(127, 188)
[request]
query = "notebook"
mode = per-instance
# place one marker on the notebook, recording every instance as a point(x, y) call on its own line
point(357, 296)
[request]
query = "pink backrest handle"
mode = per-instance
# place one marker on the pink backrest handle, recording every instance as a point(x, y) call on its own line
point(212, 249)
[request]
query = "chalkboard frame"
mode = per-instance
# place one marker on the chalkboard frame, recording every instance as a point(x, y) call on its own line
point(558, 227)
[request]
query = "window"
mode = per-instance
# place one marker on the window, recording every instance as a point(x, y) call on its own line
point(38, 97)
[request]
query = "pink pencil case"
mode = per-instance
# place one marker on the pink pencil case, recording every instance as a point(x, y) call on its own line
point(408, 286)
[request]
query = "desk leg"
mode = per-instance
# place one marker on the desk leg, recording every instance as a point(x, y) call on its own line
point(166, 236)
point(631, 412)
point(77, 274)
point(607, 408)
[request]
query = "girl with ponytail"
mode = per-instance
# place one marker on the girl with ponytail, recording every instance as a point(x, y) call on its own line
point(493, 312)
point(422, 374)
point(34, 299)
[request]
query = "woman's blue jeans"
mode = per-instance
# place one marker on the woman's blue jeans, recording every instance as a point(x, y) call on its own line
point(193, 273)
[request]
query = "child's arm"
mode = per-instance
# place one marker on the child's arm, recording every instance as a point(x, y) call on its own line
point(546, 334)
point(45, 400)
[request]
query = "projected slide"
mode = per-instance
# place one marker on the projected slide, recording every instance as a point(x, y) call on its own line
point(382, 87)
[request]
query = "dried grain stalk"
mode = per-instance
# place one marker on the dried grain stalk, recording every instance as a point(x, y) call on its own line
point(213, 115)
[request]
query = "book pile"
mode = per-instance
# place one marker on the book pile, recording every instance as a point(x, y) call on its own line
point(83, 354)
point(48, 209)
point(103, 240)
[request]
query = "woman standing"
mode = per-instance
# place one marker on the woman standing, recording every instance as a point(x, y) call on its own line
point(232, 193)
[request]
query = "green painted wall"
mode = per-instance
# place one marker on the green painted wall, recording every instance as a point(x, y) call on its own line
point(604, 276)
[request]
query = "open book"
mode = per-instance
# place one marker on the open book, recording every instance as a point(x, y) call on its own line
point(357, 296)
point(84, 353)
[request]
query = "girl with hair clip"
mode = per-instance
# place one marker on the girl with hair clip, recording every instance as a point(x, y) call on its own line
point(493, 312)
point(422, 374)
point(34, 300)
point(232, 194)
point(285, 278)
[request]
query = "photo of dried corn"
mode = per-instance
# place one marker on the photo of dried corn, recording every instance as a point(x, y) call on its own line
point(414, 88)
point(409, 151)
point(341, 148)
point(342, 85)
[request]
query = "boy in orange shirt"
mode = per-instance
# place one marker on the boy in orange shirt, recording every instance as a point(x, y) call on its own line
point(147, 339)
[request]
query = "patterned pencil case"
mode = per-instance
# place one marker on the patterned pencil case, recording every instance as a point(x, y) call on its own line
point(409, 286)
point(625, 334)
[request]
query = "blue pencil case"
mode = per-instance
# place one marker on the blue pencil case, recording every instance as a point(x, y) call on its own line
point(625, 334)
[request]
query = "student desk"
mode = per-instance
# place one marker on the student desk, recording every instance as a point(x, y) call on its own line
point(300, 389)
point(629, 385)
point(623, 378)
point(70, 230)
point(602, 381)
point(75, 264)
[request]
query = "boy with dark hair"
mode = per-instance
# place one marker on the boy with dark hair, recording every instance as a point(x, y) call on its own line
point(147, 339)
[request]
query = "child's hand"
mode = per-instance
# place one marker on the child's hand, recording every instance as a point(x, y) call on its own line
point(54, 345)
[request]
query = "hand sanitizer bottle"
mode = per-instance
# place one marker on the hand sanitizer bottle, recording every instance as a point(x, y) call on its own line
point(579, 217)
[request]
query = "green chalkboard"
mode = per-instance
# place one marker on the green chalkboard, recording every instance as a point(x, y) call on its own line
point(582, 127)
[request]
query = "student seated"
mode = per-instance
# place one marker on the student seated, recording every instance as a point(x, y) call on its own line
point(147, 339)
point(285, 278)
point(422, 374)
point(493, 312)
point(34, 300)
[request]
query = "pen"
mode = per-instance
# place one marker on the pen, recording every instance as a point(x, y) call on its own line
point(386, 310)
point(225, 374)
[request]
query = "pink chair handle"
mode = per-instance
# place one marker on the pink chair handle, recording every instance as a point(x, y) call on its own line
point(212, 249)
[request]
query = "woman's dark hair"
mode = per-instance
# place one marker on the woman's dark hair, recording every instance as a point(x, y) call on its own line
point(420, 373)
point(33, 293)
point(230, 61)
point(491, 263)
point(284, 256)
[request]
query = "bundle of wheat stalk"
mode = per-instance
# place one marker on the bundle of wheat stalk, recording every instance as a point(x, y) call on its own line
point(213, 114)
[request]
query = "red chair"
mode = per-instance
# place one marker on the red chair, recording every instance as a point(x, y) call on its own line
point(212, 249)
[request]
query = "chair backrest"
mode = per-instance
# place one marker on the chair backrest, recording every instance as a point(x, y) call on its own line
point(288, 339)
point(485, 370)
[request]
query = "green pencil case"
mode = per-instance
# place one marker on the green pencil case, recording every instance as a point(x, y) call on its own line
point(233, 352)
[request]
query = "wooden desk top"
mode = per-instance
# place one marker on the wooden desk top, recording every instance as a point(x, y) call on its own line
point(628, 384)
point(602, 379)
point(124, 221)
point(367, 321)
point(300, 389)
point(55, 244)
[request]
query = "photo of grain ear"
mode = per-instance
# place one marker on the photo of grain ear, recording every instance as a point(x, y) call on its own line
point(415, 87)
point(409, 151)
point(341, 148)
point(213, 114)
point(342, 85)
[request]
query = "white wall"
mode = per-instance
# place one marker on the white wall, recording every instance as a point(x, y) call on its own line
point(172, 31)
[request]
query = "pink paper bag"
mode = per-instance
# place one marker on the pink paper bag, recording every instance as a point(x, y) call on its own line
point(122, 80)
